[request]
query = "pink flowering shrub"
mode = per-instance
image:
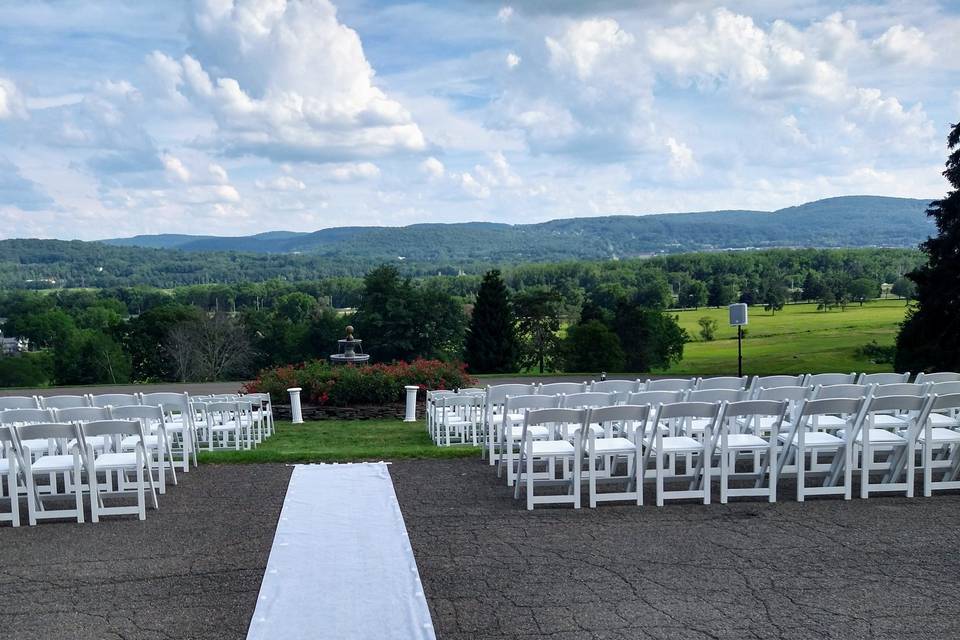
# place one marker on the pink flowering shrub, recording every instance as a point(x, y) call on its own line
point(348, 385)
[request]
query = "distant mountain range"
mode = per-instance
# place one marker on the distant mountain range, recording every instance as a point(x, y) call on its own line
point(849, 221)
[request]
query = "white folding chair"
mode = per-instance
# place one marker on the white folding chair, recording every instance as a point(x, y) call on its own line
point(493, 411)
point(180, 424)
point(940, 376)
point(37, 447)
point(458, 419)
point(678, 443)
point(770, 382)
point(10, 471)
point(722, 382)
point(762, 449)
point(52, 464)
point(114, 399)
point(120, 462)
point(63, 402)
point(225, 428)
point(807, 436)
point(156, 439)
point(940, 446)
point(829, 379)
point(560, 423)
point(555, 388)
point(620, 387)
point(19, 402)
point(510, 432)
point(670, 384)
point(610, 449)
point(883, 378)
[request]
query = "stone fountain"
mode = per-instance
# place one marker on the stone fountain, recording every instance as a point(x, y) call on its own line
point(350, 350)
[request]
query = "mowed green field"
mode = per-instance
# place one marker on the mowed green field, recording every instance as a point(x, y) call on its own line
point(798, 339)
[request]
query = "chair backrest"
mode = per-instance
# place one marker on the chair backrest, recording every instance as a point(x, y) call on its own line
point(632, 418)
point(899, 389)
point(587, 399)
point(80, 414)
point(688, 410)
point(48, 430)
point(722, 382)
point(831, 406)
point(112, 428)
point(518, 403)
point(770, 382)
point(63, 402)
point(716, 395)
point(19, 402)
point(137, 412)
point(943, 388)
point(616, 386)
point(25, 416)
point(840, 391)
point(496, 393)
point(946, 402)
point(555, 416)
point(114, 399)
point(554, 388)
point(940, 376)
point(220, 406)
point(793, 394)
point(459, 400)
point(168, 400)
point(883, 378)
point(746, 408)
point(654, 398)
point(670, 384)
point(828, 379)
point(887, 403)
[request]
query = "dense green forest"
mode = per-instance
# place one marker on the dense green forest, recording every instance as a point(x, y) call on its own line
point(231, 330)
point(470, 248)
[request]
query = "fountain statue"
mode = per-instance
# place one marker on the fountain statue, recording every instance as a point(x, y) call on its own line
point(350, 350)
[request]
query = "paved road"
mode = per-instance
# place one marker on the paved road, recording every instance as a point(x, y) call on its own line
point(880, 568)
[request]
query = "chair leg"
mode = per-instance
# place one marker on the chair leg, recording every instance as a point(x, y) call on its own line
point(77, 488)
point(141, 507)
point(529, 481)
point(659, 478)
point(801, 463)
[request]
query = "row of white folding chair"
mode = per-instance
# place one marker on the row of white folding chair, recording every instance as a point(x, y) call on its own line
point(74, 455)
point(225, 424)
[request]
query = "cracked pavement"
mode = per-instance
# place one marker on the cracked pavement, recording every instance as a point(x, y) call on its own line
point(886, 567)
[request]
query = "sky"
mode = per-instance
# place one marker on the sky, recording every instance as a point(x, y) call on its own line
point(233, 117)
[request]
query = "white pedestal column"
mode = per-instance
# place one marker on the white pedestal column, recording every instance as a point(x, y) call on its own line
point(296, 413)
point(411, 408)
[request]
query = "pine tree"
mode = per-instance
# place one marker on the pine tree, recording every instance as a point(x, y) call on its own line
point(929, 339)
point(492, 344)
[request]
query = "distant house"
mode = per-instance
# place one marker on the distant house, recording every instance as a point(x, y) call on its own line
point(13, 346)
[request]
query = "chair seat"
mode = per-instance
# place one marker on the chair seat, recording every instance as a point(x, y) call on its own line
point(4, 466)
point(817, 439)
point(97, 442)
point(940, 420)
point(882, 436)
point(889, 421)
point(552, 448)
point(763, 423)
point(150, 442)
point(827, 422)
point(36, 445)
point(227, 426)
point(699, 424)
point(116, 461)
point(746, 441)
point(611, 445)
point(940, 434)
point(53, 463)
point(679, 443)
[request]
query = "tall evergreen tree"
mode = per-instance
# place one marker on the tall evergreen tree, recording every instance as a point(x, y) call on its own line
point(929, 339)
point(492, 344)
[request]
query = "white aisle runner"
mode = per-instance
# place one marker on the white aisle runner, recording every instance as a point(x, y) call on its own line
point(341, 566)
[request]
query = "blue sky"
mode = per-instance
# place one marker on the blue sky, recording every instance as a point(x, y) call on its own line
point(232, 117)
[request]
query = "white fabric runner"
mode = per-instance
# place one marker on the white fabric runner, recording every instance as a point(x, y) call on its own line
point(341, 566)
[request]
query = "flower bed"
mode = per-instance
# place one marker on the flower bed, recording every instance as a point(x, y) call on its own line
point(348, 385)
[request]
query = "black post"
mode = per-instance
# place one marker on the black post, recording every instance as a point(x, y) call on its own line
point(739, 351)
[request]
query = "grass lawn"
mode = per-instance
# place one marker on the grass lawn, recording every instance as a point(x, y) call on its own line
point(798, 339)
point(344, 440)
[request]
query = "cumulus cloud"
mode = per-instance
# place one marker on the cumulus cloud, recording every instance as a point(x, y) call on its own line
point(512, 60)
point(353, 171)
point(681, 160)
point(20, 192)
point(281, 183)
point(286, 80)
point(904, 45)
point(587, 44)
point(432, 168)
point(504, 14)
point(12, 104)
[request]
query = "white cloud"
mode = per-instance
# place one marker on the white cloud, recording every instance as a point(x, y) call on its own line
point(175, 169)
point(433, 168)
point(587, 44)
point(681, 160)
point(287, 80)
point(20, 192)
point(471, 186)
point(512, 60)
point(505, 14)
point(281, 183)
point(907, 45)
point(11, 101)
point(352, 171)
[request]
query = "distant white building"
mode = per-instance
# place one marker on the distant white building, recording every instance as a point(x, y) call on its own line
point(13, 346)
